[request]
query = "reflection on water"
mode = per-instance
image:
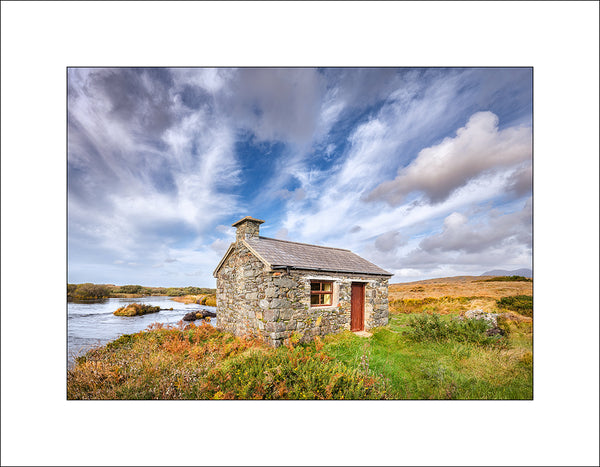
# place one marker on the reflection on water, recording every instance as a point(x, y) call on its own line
point(92, 323)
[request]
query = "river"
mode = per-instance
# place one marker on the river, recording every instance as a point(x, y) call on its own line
point(92, 323)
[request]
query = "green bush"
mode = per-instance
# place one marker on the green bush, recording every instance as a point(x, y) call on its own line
point(137, 289)
point(425, 327)
point(522, 304)
point(181, 291)
point(89, 291)
point(71, 290)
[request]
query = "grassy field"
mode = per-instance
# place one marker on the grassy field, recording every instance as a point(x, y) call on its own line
point(425, 352)
point(454, 294)
point(460, 286)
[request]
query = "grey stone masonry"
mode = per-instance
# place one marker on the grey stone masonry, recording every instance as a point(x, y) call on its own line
point(272, 304)
point(247, 228)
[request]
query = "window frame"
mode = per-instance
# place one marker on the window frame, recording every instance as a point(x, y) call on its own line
point(321, 293)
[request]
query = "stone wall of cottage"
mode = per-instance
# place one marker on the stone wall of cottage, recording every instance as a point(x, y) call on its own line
point(239, 282)
point(273, 304)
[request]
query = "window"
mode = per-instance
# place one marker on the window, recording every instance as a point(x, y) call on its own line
point(321, 293)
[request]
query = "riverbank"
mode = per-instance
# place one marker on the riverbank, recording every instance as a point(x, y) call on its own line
point(203, 299)
point(93, 323)
point(90, 291)
point(408, 359)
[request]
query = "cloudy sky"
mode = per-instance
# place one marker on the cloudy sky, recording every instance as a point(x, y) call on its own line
point(425, 172)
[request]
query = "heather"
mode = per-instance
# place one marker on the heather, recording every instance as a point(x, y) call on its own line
point(199, 362)
point(414, 357)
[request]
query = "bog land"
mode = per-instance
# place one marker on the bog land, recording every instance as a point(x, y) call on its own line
point(429, 350)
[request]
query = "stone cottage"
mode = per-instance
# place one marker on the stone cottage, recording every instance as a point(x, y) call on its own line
point(272, 288)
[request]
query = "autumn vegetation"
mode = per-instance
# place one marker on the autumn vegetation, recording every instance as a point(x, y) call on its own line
point(201, 299)
point(427, 351)
point(199, 362)
point(136, 309)
point(508, 279)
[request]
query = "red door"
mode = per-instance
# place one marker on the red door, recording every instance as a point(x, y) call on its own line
point(357, 307)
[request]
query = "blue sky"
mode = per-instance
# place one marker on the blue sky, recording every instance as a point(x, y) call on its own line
point(426, 172)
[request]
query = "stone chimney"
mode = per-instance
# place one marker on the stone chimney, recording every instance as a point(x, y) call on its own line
point(246, 228)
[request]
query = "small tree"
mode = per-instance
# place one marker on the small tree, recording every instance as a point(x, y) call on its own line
point(89, 291)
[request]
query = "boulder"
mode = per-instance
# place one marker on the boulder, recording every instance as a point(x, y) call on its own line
point(494, 331)
point(491, 318)
point(199, 314)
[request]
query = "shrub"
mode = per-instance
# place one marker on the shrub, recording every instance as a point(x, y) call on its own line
point(425, 327)
point(210, 300)
point(174, 292)
point(503, 323)
point(298, 373)
point(89, 291)
point(71, 290)
point(181, 291)
point(522, 304)
point(130, 289)
point(200, 362)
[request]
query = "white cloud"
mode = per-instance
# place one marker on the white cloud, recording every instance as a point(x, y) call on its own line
point(438, 170)
point(496, 231)
point(176, 185)
point(220, 245)
point(388, 241)
point(133, 192)
point(282, 234)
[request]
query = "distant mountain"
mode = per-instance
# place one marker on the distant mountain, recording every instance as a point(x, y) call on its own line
point(517, 272)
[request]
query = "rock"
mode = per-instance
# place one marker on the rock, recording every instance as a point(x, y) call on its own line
point(271, 315)
point(280, 303)
point(494, 331)
point(136, 309)
point(491, 318)
point(199, 314)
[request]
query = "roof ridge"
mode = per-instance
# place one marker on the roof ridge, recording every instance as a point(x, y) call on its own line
point(306, 244)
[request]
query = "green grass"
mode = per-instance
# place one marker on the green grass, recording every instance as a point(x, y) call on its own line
point(449, 369)
point(400, 361)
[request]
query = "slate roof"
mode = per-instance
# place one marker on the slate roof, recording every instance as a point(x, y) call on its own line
point(282, 253)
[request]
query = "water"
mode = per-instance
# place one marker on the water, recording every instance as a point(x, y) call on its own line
point(91, 324)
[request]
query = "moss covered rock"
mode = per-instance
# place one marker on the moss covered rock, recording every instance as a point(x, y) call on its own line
point(136, 309)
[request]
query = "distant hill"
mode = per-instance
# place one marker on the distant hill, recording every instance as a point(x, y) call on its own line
point(517, 272)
